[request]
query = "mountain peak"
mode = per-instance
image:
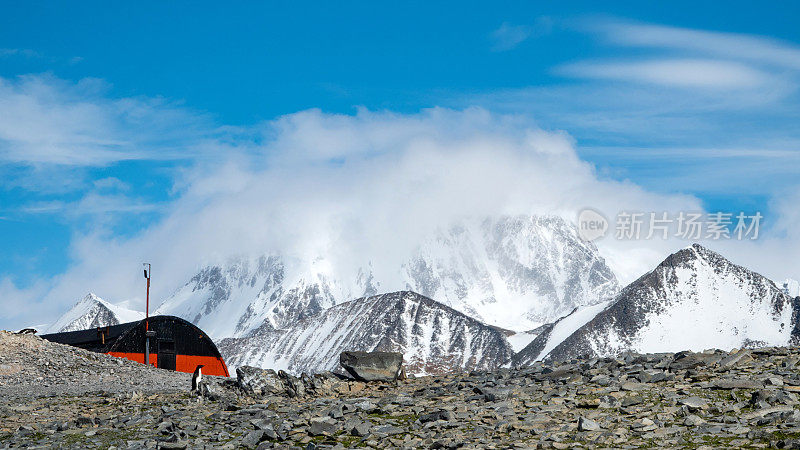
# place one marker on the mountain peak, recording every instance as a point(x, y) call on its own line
point(694, 252)
point(433, 337)
point(92, 298)
point(695, 299)
point(92, 311)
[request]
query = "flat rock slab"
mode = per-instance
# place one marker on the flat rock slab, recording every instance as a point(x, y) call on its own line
point(737, 384)
point(688, 360)
point(372, 366)
point(693, 403)
point(735, 358)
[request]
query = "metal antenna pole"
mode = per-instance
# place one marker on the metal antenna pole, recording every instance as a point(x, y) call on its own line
point(147, 317)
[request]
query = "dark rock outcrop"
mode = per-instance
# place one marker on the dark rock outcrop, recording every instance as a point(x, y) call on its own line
point(257, 382)
point(372, 366)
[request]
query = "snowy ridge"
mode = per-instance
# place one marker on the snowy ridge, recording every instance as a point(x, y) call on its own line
point(514, 272)
point(91, 312)
point(233, 300)
point(555, 333)
point(694, 300)
point(433, 338)
point(791, 287)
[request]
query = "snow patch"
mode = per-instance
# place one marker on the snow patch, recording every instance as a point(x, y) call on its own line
point(569, 324)
point(521, 340)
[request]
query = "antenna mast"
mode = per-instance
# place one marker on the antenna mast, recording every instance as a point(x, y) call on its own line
point(147, 316)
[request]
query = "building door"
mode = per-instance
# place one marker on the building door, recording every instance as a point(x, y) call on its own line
point(166, 354)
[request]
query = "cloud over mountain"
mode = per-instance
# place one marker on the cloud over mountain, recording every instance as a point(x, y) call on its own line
point(373, 183)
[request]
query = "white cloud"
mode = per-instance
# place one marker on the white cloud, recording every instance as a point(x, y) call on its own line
point(359, 188)
point(509, 36)
point(356, 188)
point(694, 73)
point(731, 45)
point(366, 186)
point(24, 52)
point(111, 184)
point(47, 121)
point(97, 210)
point(682, 57)
point(23, 304)
point(674, 108)
point(775, 252)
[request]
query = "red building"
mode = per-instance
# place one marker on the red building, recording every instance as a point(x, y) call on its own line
point(175, 344)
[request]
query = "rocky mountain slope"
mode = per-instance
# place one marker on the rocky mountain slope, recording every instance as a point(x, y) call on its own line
point(791, 287)
point(92, 311)
point(433, 337)
point(695, 299)
point(515, 272)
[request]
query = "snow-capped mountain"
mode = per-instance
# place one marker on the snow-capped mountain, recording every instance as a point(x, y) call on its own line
point(694, 300)
point(433, 337)
point(234, 299)
point(515, 272)
point(791, 287)
point(92, 311)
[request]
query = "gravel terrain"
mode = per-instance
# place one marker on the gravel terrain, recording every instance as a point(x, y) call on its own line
point(31, 366)
point(743, 399)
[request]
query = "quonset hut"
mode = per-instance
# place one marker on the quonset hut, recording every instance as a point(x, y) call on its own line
point(175, 344)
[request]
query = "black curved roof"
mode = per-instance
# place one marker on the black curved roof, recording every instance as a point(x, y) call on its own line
point(129, 337)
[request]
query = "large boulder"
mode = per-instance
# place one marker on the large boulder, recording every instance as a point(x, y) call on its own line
point(257, 381)
point(372, 366)
point(264, 382)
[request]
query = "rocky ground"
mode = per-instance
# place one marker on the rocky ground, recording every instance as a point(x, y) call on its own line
point(713, 399)
point(32, 367)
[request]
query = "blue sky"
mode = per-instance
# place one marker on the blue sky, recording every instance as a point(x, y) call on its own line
point(111, 110)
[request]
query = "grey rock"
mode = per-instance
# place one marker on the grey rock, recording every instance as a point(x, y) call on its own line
point(387, 429)
point(584, 405)
point(693, 421)
point(693, 403)
point(361, 429)
point(689, 360)
point(372, 366)
point(322, 426)
point(436, 415)
point(652, 376)
point(644, 424)
point(728, 384)
point(177, 445)
point(585, 424)
point(735, 359)
point(259, 381)
point(253, 438)
point(493, 394)
point(632, 400)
